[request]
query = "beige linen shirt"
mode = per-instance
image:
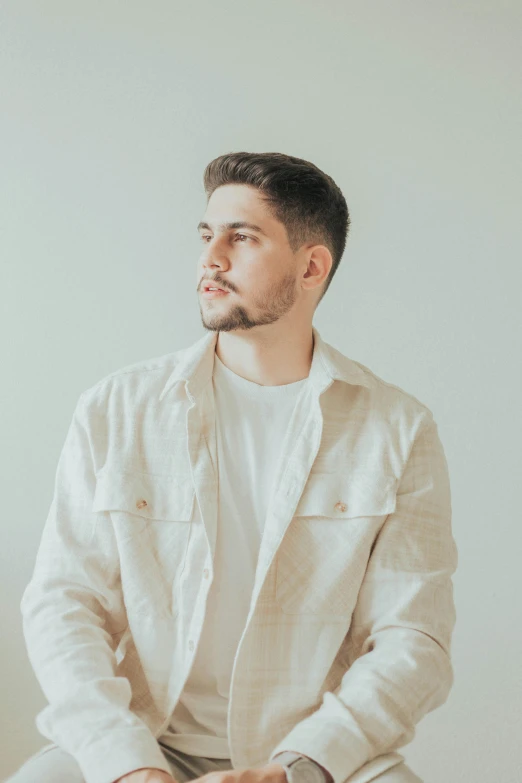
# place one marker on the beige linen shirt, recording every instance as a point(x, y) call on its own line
point(347, 642)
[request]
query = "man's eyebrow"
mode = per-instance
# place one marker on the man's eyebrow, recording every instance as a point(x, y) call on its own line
point(235, 224)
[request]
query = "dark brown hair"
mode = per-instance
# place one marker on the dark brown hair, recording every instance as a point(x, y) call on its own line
point(297, 194)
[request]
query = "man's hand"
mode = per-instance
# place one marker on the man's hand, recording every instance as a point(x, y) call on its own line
point(270, 773)
point(147, 775)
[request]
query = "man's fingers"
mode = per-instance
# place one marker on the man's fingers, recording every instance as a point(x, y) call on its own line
point(147, 775)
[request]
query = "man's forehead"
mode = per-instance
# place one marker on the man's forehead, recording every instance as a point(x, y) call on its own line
point(238, 206)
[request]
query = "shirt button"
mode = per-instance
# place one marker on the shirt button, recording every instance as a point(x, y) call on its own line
point(205, 573)
point(191, 645)
point(340, 506)
point(141, 503)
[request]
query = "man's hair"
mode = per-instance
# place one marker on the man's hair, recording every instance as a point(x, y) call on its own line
point(297, 194)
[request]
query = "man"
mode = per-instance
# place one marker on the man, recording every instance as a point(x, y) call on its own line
point(245, 574)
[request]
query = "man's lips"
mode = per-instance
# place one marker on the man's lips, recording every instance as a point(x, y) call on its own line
point(207, 286)
point(214, 294)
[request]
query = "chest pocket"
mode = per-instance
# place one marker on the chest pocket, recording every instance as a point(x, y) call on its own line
point(151, 516)
point(323, 556)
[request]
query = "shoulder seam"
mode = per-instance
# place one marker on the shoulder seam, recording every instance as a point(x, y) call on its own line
point(379, 379)
point(128, 370)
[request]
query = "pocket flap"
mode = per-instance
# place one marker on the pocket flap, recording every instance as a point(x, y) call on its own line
point(143, 494)
point(336, 495)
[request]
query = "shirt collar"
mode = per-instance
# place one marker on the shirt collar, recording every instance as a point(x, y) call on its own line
point(195, 365)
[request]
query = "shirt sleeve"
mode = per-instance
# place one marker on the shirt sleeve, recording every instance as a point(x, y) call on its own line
point(400, 636)
point(72, 612)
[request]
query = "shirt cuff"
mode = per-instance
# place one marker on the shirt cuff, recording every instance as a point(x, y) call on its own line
point(328, 777)
point(115, 756)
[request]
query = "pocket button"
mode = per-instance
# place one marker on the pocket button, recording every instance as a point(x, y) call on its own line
point(141, 503)
point(340, 506)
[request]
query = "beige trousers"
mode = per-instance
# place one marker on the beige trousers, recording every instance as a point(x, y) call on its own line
point(54, 765)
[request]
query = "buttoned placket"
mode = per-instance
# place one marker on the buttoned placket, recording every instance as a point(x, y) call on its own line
point(199, 424)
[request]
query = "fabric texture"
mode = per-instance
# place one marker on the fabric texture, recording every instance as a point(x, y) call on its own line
point(346, 642)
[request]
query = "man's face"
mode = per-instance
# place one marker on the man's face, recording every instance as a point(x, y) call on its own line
point(256, 268)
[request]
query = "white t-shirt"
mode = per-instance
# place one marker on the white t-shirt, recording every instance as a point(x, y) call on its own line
point(251, 422)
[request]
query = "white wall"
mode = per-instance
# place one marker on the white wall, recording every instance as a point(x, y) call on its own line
point(110, 112)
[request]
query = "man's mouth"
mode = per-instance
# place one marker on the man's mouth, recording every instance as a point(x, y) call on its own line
point(213, 291)
point(208, 287)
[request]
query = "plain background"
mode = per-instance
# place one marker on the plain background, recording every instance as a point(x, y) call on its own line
point(110, 112)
